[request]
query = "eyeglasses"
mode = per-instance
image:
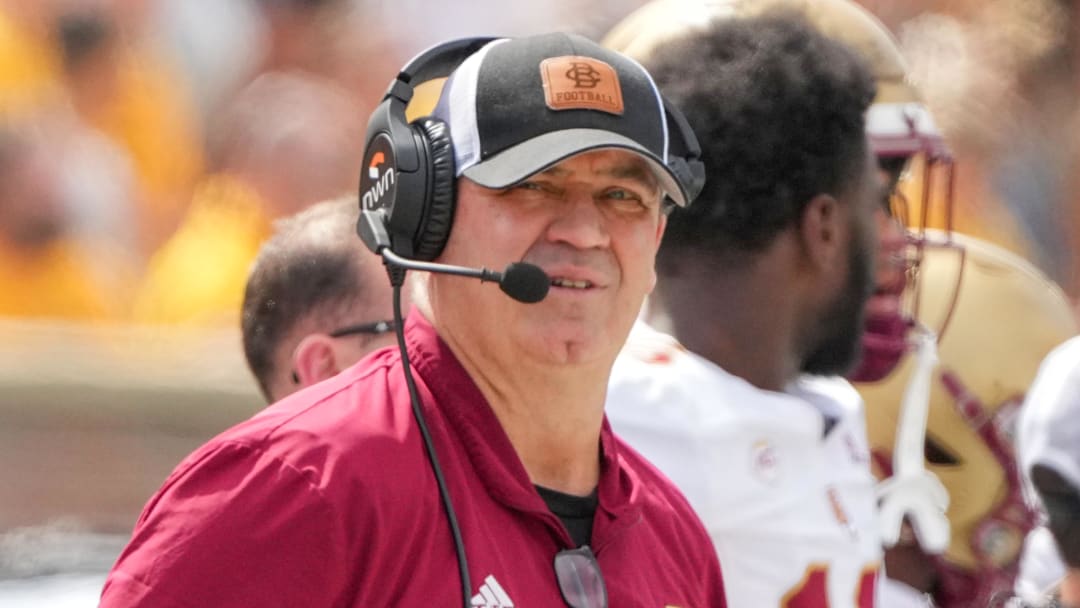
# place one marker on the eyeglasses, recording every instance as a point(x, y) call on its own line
point(580, 580)
point(373, 328)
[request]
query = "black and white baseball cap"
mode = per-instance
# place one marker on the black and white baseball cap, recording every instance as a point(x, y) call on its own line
point(518, 106)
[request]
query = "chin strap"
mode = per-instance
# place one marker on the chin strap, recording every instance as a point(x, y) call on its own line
point(912, 493)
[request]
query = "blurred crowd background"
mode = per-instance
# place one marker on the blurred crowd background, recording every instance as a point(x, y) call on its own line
point(146, 147)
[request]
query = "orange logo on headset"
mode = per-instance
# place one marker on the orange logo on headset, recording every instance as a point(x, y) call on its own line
point(379, 183)
point(373, 167)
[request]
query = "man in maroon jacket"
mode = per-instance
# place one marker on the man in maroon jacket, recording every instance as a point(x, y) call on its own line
point(547, 150)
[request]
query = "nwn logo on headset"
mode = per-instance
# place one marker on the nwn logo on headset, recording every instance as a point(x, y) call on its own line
point(379, 182)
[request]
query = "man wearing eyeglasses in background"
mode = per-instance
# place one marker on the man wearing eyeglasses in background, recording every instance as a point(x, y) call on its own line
point(315, 302)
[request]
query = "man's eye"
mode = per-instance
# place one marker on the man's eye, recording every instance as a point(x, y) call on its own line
point(621, 194)
point(538, 187)
point(625, 199)
point(529, 186)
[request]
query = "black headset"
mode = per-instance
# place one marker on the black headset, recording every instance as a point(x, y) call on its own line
point(408, 177)
point(408, 173)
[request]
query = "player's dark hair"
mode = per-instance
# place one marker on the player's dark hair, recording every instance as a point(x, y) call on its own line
point(309, 270)
point(779, 111)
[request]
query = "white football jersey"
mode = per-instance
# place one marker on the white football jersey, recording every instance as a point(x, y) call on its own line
point(789, 506)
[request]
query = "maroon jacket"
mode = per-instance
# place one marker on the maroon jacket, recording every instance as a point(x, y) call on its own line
point(327, 499)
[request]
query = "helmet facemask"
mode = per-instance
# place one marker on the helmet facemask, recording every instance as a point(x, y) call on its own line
point(918, 170)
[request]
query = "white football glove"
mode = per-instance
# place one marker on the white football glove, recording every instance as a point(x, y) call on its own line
point(913, 493)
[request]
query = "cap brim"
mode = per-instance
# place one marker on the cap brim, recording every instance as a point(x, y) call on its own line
point(530, 157)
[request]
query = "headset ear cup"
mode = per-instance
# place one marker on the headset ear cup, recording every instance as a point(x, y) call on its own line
point(439, 215)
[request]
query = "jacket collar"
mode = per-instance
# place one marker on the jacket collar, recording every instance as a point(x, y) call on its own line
point(471, 420)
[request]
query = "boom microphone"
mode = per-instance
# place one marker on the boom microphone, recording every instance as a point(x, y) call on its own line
point(525, 282)
point(522, 281)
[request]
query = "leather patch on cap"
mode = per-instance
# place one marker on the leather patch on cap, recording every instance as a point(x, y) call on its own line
point(574, 82)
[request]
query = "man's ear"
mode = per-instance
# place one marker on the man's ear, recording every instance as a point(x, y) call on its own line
point(313, 359)
point(822, 231)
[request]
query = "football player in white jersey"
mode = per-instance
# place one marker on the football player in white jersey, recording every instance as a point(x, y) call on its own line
point(762, 286)
point(987, 356)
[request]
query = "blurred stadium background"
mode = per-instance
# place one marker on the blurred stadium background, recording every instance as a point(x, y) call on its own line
point(146, 147)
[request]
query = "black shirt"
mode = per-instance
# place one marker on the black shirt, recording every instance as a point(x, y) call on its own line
point(576, 512)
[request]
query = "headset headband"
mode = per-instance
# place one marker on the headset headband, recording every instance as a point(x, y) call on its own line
point(437, 62)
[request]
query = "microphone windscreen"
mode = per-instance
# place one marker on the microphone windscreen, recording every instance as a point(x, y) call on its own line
point(525, 282)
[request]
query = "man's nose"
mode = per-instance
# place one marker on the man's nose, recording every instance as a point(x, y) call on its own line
point(579, 222)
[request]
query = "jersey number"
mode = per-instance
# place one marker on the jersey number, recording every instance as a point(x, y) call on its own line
point(813, 590)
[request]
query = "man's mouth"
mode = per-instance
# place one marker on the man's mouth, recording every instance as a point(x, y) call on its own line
point(571, 283)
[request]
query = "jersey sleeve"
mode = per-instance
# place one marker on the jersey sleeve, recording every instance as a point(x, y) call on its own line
point(1047, 431)
point(236, 527)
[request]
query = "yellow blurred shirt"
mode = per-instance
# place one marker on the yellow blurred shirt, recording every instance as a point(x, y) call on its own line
point(152, 117)
point(29, 70)
point(56, 282)
point(149, 114)
point(198, 275)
